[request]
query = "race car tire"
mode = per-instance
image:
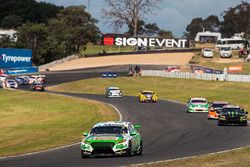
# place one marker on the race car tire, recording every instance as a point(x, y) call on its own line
point(140, 149)
point(245, 124)
point(220, 124)
point(84, 156)
point(129, 150)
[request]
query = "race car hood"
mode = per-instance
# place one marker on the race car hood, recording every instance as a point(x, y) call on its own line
point(115, 138)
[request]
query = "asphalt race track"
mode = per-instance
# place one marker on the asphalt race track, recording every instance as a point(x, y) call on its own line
point(168, 132)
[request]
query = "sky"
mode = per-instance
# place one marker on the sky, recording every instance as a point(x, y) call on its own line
point(173, 15)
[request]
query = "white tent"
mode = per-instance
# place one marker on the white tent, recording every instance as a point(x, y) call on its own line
point(207, 35)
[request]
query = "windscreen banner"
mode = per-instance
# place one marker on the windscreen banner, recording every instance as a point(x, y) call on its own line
point(11, 58)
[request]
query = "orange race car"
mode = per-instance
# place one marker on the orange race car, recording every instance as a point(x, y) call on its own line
point(215, 109)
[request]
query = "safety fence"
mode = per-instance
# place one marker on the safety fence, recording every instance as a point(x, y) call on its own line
point(202, 76)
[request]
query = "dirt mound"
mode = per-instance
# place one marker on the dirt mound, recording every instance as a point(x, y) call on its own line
point(143, 59)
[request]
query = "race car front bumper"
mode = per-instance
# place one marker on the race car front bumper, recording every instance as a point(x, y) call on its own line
point(104, 150)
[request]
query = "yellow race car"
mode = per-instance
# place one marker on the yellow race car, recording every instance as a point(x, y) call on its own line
point(147, 96)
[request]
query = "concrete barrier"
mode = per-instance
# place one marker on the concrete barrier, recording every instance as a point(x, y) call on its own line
point(204, 76)
point(46, 67)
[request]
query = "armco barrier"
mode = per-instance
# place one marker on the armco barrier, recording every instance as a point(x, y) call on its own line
point(204, 76)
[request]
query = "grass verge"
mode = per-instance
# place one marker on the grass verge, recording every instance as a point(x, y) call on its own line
point(32, 121)
point(175, 89)
point(237, 158)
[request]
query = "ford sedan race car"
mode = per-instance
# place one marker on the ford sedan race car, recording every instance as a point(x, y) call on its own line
point(37, 86)
point(215, 109)
point(112, 138)
point(11, 83)
point(232, 115)
point(147, 96)
point(197, 105)
point(113, 92)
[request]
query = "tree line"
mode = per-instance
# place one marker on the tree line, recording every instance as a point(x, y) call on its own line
point(54, 32)
point(235, 20)
point(51, 32)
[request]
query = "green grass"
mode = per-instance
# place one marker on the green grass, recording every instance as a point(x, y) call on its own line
point(32, 121)
point(175, 89)
point(213, 62)
point(239, 158)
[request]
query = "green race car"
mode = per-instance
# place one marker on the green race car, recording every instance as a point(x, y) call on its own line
point(197, 104)
point(112, 138)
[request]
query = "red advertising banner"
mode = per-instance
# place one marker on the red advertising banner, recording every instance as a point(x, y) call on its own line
point(108, 41)
point(235, 68)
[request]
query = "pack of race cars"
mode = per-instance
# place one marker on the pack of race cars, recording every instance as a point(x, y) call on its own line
point(36, 82)
point(221, 111)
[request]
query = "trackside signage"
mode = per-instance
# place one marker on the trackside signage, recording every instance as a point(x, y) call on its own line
point(10, 58)
point(145, 42)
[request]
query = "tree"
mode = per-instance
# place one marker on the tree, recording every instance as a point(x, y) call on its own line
point(236, 20)
point(194, 27)
point(143, 29)
point(26, 10)
point(151, 29)
point(33, 36)
point(128, 12)
point(165, 34)
point(11, 21)
point(72, 29)
point(211, 23)
point(6, 42)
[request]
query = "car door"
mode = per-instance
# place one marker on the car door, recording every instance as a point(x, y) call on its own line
point(135, 138)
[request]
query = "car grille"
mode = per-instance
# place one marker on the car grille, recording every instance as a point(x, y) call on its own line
point(103, 147)
point(233, 119)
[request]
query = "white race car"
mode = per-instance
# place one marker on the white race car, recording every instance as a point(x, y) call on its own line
point(36, 78)
point(113, 92)
point(11, 83)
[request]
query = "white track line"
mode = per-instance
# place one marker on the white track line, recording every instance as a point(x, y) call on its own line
point(185, 158)
point(61, 147)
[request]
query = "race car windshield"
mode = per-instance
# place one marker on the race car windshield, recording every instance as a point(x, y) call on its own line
point(218, 105)
point(226, 110)
point(147, 93)
point(198, 101)
point(109, 130)
point(114, 89)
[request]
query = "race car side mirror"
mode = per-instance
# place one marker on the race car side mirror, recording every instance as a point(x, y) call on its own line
point(137, 126)
point(85, 134)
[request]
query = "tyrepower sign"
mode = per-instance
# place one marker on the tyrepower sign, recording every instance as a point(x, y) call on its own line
point(10, 58)
point(145, 42)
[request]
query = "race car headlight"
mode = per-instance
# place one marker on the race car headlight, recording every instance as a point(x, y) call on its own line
point(244, 117)
point(86, 142)
point(121, 141)
point(222, 116)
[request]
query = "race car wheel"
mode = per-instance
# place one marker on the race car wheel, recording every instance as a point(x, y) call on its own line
point(140, 149)
point(129, 150)
point(84, 155)
point(245, 124)
point(220, 124)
